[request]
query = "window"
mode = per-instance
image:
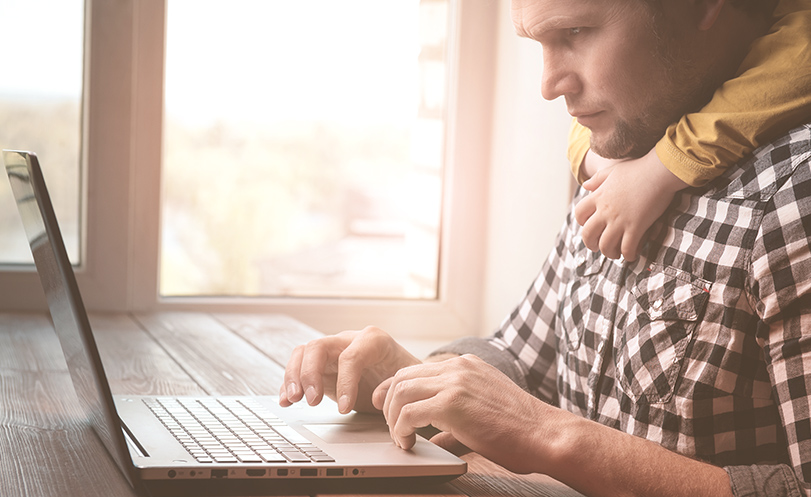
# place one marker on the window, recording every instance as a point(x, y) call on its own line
point(40, 109)
point(128, 133)
point(303, 148)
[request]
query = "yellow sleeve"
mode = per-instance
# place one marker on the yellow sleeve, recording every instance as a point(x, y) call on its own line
point(769, 96)
point(579, 144)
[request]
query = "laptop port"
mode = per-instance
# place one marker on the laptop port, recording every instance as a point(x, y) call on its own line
point(255, 472)
point(309, 472)
point(219, 473)
point(282, 472)
point(335, 472)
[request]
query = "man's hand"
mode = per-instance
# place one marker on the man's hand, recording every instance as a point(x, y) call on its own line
point(626, 198)
point(472, 403)
point(347, 367)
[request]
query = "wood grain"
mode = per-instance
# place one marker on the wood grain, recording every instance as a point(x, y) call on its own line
point(134, 362)
point(220, 361)
point(28, 343)
point(47, 446)
point(487, 479)
point(275, 335)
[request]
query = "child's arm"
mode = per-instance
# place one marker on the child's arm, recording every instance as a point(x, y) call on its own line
point(769, 97)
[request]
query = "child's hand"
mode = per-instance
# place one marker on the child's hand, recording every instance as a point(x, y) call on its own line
point(592, 164)
point(625, 200)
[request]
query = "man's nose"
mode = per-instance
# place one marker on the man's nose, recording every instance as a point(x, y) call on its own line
point(559, 78)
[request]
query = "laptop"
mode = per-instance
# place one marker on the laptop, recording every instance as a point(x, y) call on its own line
point(179, 442)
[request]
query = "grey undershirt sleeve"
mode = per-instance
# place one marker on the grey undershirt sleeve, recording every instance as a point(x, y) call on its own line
point(499, 358)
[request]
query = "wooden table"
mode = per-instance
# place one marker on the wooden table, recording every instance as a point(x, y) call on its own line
point(48, 449)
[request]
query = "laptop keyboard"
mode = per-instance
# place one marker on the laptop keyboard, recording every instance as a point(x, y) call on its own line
point(232, 431)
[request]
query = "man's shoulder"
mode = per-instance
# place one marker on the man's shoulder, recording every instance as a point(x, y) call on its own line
point(759, 176)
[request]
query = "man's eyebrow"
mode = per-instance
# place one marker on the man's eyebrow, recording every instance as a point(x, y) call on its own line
point(551, 24)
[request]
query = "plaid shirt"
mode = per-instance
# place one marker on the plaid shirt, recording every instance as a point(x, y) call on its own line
point(703, 344)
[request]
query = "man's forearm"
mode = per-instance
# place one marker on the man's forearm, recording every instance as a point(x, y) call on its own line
point(601, 461)
point(593, 458)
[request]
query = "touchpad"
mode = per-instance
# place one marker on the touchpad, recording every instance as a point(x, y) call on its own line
point(351, 433)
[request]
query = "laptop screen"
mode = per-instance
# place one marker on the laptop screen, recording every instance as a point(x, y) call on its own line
point(65, 302)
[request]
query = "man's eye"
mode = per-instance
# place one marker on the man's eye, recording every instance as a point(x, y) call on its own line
point(574, 31)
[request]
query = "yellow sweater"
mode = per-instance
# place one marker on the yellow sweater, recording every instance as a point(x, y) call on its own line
point(770, 94)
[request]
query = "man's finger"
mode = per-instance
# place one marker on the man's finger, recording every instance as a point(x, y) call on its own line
point(316, 356)
point(351, 364)
point(427, 370)
point(411, 416)
point(380, 393)
point(283, 397)
point(410, 387)
point(292, 376)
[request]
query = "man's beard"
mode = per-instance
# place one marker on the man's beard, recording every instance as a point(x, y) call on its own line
point(681, 87)
point(684, 91)
point(681, 92)
point(629, 140)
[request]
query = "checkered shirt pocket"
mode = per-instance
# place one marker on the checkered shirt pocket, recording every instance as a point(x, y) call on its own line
point(669, 303)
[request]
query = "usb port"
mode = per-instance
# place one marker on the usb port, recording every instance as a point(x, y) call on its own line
point(335, 472)
point(219, 473)
point(255, 472)
point(282, 472)
point(309, 472)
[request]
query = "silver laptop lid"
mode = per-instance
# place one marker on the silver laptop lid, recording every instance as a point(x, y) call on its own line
point(65, 303)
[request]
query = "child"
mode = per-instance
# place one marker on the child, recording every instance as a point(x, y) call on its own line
point(770, 95)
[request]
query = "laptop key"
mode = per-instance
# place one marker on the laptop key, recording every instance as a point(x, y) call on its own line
point(321, 458)
point(272, 457)
point(251, 458)
point(296, 456)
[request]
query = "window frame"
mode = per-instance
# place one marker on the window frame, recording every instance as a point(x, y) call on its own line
point(121, 161)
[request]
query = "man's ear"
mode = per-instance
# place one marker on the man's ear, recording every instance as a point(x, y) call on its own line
point(707, 12)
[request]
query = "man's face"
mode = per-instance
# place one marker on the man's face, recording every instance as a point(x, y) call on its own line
point(620, 78)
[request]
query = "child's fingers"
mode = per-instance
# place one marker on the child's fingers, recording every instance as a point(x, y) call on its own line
point(631, 241)
point(585, 209)
point(592, 232)
point(631, 254)
point(610, 242)
point(595, 181)
point(630, 248)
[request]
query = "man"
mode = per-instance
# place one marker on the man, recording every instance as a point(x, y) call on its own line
point(681, 373)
